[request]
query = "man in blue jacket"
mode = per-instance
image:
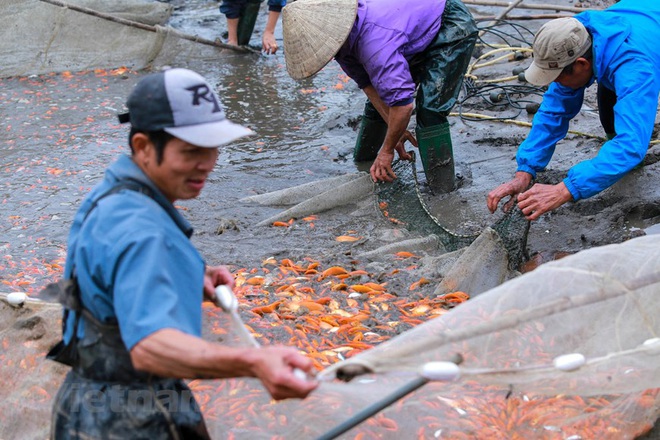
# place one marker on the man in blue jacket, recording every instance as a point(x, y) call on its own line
point(133, 312)
point(615, 48)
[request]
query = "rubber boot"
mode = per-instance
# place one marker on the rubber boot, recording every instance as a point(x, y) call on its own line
point(247, 21)
point(437, 156)
point(371, 135)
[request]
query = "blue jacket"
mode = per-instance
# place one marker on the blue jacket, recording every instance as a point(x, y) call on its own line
point(625, 60)
point(134, 260)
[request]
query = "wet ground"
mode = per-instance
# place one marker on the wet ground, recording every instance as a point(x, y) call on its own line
point(60, 132)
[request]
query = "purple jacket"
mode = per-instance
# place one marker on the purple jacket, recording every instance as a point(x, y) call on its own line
point(386, 34)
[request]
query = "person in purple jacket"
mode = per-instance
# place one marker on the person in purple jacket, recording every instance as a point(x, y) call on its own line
point(399, 52)
point(241, 16)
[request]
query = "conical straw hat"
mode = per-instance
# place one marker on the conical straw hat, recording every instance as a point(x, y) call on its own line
point(314, 31)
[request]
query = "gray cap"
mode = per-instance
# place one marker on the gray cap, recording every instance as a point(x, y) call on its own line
point(557, 44)
point(183, 104)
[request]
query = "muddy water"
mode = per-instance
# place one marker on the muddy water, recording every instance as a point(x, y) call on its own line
point(59, 132)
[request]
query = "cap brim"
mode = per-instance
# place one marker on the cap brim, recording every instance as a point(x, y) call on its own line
point(211, 134)
point(541, 77)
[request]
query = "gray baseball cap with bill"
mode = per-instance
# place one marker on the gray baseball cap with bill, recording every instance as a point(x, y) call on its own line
point(557, 44)
point(182, 103)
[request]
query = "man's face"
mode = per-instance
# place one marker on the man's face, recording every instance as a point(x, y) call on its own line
point(579, 77)
point(183, 171)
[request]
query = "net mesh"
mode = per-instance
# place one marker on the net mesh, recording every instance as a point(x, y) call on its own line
point(404, 198)
point(40, 38)
point(601, 303)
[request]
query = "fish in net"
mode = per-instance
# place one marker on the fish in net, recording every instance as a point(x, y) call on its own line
point(569, 350)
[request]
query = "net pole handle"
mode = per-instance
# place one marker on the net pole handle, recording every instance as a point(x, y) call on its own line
point(374, 408)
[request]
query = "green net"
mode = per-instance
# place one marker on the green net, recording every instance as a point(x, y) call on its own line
point(405, 203)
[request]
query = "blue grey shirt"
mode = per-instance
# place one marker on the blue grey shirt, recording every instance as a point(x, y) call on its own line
point(134, 260)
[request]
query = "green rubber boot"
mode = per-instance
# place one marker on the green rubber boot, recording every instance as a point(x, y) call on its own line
point(437, 156)
point(247, 21)
point(371, 135)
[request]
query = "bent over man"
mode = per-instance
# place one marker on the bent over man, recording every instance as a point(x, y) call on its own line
point(398, 52)
point(615, 48)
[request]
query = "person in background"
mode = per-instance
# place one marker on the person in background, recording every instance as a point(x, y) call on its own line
point(398, 52)
point(241, 17)
point(616, 48)
point(135, 283)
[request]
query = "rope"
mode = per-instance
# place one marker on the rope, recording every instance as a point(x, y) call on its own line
point(525, 124)
point(481, 88)
point(527, 6)
point(149, 28)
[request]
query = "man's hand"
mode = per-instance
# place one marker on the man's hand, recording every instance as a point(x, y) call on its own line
point(275, 365)
point(381, 170)
point(171, 353)
point(540, 199)
point(268, 43)
point(400, 146)
point(513, 187)
point(215, 276)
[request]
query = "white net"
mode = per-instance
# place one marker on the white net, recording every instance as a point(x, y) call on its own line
point(513, 383)
point(39, 37)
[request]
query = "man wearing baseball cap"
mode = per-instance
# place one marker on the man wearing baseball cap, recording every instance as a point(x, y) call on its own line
point(135, 283)
point(615, 48)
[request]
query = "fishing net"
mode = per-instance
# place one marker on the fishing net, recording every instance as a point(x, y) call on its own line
point(30, 382)
point(570, 350)
point(404, 199)
point(508, 344)
point(38, 37)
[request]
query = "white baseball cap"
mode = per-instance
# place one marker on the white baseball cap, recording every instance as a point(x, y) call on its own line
point(557, 44)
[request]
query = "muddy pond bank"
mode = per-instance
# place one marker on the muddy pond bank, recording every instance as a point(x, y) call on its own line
point(60, 132)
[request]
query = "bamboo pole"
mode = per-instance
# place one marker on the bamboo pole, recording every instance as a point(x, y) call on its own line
point(524, 17)
point(526, 5)
point(149, 28)
point(502, 14)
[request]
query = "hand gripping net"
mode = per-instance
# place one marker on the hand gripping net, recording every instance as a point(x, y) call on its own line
point(403, 197)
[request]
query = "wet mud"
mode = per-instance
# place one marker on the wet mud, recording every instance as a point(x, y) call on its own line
point(60, 132)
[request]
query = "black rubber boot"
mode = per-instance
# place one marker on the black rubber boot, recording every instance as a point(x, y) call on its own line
point(371, 135)
point(247, 21)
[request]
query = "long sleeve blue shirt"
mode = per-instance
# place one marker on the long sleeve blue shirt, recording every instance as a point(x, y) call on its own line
point(625, 60)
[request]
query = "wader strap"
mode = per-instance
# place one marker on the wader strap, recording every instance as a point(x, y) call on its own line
point(67, 293)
